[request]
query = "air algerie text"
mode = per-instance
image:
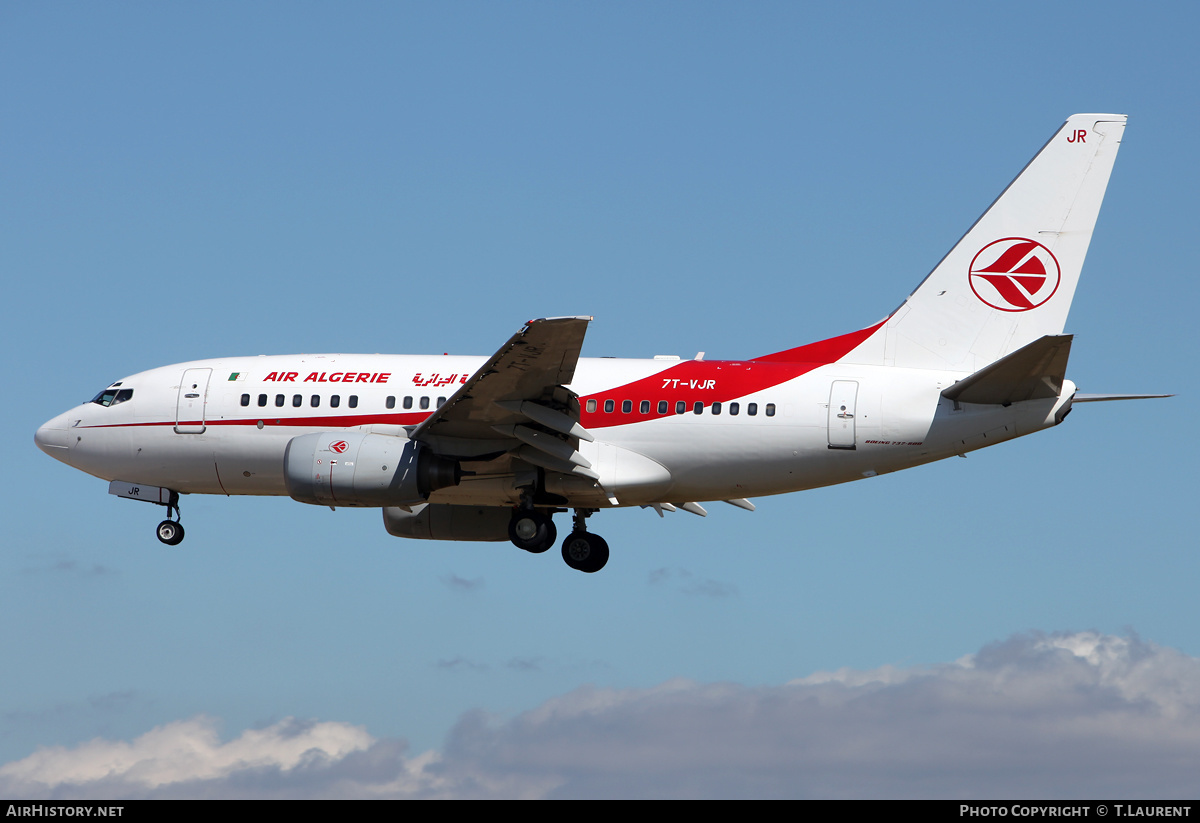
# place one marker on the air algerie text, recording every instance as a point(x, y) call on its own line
point(334, 377)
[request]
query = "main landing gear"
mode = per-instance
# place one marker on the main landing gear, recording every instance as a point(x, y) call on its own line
point(171, 531)
point(533, 531)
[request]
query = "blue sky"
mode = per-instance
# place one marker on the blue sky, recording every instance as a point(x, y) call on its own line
point(190, 181)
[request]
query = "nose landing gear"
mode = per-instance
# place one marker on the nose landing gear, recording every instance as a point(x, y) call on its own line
point(171, 531)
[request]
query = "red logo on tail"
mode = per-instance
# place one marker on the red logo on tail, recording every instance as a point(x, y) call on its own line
point(1014, 274)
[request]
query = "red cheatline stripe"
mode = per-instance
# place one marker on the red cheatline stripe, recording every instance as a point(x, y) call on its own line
point(823, 351)
point(333, 422)
point(713, 381)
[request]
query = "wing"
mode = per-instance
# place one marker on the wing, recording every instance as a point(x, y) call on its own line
point(520, 384)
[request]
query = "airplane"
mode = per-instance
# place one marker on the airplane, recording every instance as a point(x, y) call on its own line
point(490, 449)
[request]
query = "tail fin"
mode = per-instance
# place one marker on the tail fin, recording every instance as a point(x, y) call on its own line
point(1010, 279)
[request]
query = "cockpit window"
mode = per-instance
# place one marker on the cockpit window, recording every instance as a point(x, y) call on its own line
point(112, 396)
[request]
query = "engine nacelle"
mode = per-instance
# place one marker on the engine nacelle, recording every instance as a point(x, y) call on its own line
point(441, 521)
point(360, 469)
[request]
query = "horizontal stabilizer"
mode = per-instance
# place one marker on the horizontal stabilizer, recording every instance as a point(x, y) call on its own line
point(1032, 372)
point(1096, 398)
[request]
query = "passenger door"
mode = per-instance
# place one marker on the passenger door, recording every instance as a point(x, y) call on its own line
point(842, 398)
point(189, 407)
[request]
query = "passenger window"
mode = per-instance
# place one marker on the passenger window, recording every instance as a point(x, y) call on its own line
point(441, 402)
point(716, 408)
point(424, 402)
point(245, 400)
point(608, 406)
point(662, 406)
point(335, 401)
point(626, 406)
point(262, 400)
point(391, 402)
point(353, 402)
point(279, 400)
point(733, 409)
point(408, 402)
point(315, 400)
point(591, 406)
point(297, 400)
point(697, 408)
point(770, 410)
point(645, 407)
point(680, 407)
point(751, 409)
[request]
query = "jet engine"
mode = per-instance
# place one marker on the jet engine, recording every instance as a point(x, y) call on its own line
point(360, 469)
point(442, 521)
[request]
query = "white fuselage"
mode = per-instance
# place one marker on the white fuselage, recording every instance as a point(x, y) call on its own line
point(221, 426)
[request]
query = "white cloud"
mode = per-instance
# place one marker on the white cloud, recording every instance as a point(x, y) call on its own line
point(185, 751)
point(1072, 715)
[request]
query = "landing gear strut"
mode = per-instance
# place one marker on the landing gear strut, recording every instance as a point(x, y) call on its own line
point(582, 550)
point(171, 531)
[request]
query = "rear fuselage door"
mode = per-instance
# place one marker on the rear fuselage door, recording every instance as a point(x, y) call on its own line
point(842, 397)
point(189, 408)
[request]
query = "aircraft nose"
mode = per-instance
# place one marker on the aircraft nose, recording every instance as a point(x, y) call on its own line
point(53, 438)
